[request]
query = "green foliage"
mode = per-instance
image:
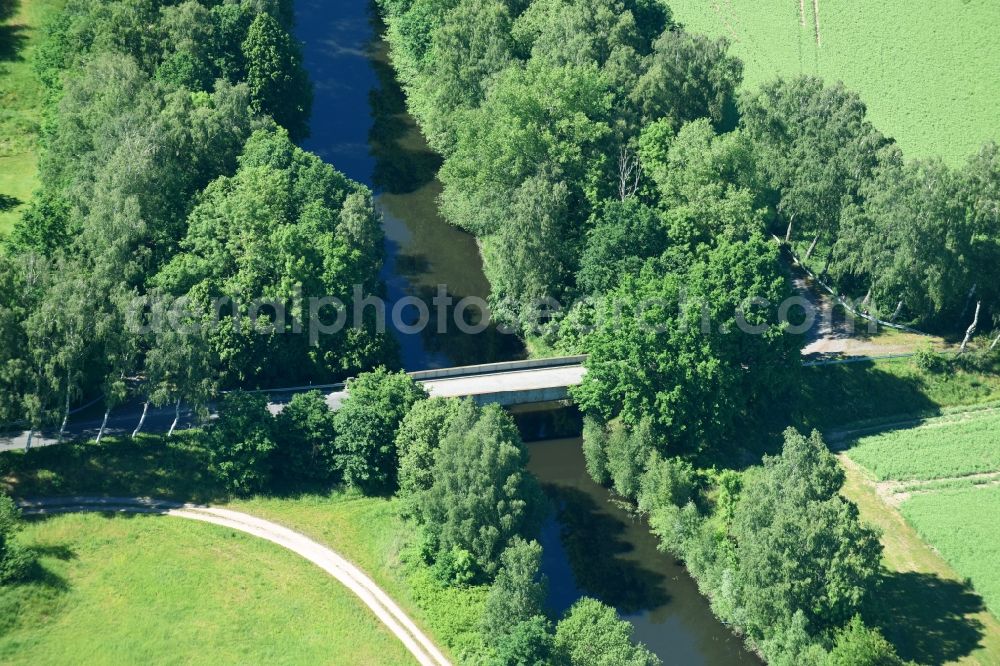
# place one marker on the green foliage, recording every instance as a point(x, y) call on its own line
point(454, 612)
point(417, 440)
point(241, 443)
point(591, 634)
point(528, 102)
point(702, 375)
point(517, 594)
point(625, 234)
point(689, 77)
point(277, 82)
point(595, 443)
point(800, 547)
point(15, 559)
point(628, 449)
point(707, 183)
point(482, 496)
point(147, 105)
point(528, 643)
point(306, 439)
point(857, 645)
point(284, 228)
point(666, 481)
point(929, 360)
point(455, 567)
point(367, 425)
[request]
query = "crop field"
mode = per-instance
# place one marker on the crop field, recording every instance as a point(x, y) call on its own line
point(963, 524)
point(939, 450)
point(927, 69)
point(944, 477)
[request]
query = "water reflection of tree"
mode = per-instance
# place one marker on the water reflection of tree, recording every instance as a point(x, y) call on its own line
point(594, 543)
point(403, 161)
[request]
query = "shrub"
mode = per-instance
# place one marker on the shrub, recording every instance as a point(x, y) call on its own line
point(517, 594)
point(241, 443)
point(15, 559)
point(483, 496)
point(595, 442)
point(592, 634)
point(858, 645)
point(528, 643)
point(306, 439)
point(666, 481)
point(628, 451)
point(367, 424)
point(928, 360)
point(418, 438)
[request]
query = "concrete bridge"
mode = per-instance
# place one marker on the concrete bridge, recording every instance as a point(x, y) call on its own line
point(508, 384)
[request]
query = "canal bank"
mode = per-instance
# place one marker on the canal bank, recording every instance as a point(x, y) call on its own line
point(592, 546)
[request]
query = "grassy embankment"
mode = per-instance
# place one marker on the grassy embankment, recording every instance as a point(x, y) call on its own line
point(847, 397)
point(151, 589)
point(925, 71)
point(366, 530)
point(21, 101)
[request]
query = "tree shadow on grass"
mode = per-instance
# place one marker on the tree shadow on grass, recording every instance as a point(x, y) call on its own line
point(834, 395)
point(594, 545)
point(13, 39)
point(8, 202)
point(118, 467)
point(8, 8)
point(927, 617)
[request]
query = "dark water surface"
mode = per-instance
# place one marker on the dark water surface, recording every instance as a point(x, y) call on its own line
point(592, 547)
point(360, 125)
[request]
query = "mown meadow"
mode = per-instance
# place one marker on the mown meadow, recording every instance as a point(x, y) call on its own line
point(927, 72)
point(135, 589)
point(21, 102)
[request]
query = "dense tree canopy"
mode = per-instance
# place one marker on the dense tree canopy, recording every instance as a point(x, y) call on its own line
point(167, 171)
point(367, 426)
point(482, 497)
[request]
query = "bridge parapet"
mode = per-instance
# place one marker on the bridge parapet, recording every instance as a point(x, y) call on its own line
point(497, 368)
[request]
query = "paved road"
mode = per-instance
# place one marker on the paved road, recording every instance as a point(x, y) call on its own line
point(384, 608)
point(509, 386)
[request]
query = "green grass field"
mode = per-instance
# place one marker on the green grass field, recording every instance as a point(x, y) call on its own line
point(934, 451)
point(944, 477)
point(927, 69)
point(963, 524)
point(151, 589)
point(924, 607)
point(833, 396)
point(21, 100)
point(366, 530)
point(371, 532)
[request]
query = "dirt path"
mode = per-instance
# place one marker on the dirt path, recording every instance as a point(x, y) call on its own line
point(384, 608)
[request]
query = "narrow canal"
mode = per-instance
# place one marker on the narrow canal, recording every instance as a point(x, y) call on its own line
point(592, 547)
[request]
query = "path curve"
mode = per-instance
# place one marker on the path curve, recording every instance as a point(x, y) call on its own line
point(384, 608)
